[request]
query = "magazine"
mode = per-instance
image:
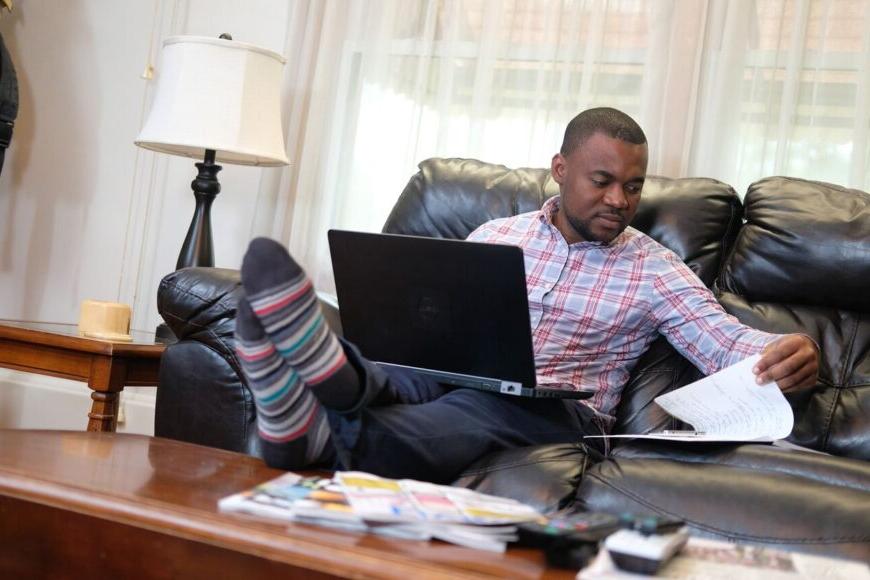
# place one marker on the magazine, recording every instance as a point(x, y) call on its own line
point(717, 560)
point(362, 502)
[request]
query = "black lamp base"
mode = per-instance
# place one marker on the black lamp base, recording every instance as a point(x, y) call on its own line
point(198, 249)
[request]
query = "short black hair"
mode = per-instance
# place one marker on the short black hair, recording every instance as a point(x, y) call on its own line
point(612, 122)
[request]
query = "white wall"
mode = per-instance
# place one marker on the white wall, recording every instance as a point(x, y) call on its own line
point(83, 212)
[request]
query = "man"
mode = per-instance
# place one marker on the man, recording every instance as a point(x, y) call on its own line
point(599, 294)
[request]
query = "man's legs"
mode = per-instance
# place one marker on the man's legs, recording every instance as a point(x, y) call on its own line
point(435, 440)
point(438, 440)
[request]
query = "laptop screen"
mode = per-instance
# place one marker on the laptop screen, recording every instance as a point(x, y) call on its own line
point(444, 305)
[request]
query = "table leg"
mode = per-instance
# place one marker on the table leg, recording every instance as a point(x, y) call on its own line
point(107, 381)
point(104, 412)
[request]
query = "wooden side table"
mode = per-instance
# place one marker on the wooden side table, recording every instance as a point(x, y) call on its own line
point(107, 367)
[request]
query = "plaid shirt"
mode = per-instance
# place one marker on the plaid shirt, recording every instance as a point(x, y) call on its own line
point(596, 307)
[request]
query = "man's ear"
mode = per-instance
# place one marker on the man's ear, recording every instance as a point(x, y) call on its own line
point(557, 168)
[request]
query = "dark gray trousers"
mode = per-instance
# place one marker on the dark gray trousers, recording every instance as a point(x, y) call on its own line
point(407, 425)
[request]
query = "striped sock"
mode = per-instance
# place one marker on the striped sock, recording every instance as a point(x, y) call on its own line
point(282, 297)
point(288, 415)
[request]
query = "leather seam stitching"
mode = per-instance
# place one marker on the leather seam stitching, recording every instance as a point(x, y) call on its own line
point(722, 275)
point(829, 419)
point(722, 241)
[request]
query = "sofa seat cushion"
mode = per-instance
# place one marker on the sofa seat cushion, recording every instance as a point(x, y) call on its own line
point(808, 464)
point(545, 477)
point(752, 493)
point(792, 499)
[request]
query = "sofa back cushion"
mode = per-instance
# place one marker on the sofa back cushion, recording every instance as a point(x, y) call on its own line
point(450, 198)
point(804, 242)
point(697, 218)
point(801, 263)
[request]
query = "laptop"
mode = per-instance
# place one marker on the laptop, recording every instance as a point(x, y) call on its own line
point(454, 310)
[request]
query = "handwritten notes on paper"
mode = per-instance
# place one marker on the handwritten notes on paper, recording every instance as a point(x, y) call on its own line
point(727, 406)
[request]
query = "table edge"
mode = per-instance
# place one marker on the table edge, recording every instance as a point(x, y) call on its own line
point(215, 530)
point(33, 337)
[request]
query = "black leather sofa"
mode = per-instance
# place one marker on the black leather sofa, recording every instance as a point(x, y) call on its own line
point(794, 256)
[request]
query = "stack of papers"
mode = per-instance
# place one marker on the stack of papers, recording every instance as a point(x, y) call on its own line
point(726, 406)
point(406, 508)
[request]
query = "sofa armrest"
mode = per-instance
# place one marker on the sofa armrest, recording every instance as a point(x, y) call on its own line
point(197, 300)
point(329, 307)
point(203, 397)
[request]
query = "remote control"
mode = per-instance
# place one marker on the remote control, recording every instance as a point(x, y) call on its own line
point(651, 524)
point(583, 527)
point(643, 553)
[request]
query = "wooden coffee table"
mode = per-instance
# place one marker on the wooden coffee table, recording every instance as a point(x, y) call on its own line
point(107, 367)
point(115, 505)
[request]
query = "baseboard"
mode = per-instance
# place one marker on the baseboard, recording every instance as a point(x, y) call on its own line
point(29, 401)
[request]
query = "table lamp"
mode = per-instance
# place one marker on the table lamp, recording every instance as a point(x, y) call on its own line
point(217, 100)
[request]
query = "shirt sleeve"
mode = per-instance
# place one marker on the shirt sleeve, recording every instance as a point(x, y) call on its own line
point(690, 318)
point(483, 233)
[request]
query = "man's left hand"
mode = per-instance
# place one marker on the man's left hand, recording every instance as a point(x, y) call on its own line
point(792, 361)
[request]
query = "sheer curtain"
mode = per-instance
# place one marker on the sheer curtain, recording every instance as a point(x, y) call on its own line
point(785, 91)
point(733, 90)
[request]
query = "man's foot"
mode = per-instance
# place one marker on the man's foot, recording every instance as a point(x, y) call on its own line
point(287, 413)
point(282, 298)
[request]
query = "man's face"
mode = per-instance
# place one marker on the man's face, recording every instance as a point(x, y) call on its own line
point(600, 182)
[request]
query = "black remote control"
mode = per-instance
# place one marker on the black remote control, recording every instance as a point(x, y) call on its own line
point(649, 525)
point(578, 528)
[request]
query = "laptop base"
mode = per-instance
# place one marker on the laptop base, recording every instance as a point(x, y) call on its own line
point(492, 385)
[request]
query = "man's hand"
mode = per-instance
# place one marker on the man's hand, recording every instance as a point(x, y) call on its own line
point(792, 361)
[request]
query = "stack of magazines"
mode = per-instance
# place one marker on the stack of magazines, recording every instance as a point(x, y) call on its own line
point(363, 502)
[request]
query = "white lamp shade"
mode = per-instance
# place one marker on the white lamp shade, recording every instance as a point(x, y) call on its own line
point(217, 94)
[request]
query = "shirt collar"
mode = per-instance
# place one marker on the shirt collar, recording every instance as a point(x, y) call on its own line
point(547, 215)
